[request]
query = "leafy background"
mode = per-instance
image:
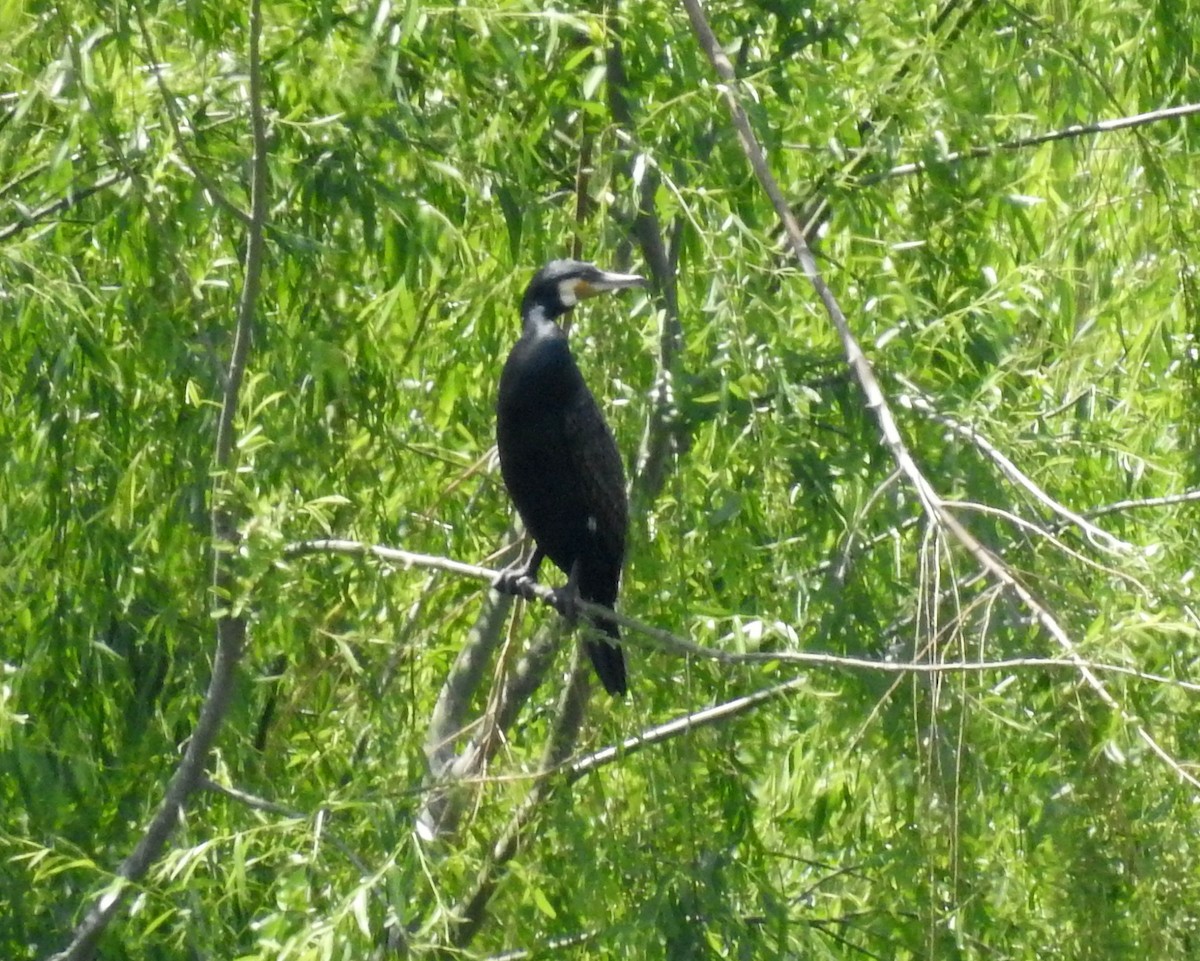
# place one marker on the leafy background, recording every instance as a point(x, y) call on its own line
point(1039, 301)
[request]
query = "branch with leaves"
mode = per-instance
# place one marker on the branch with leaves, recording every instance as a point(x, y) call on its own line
point(231, 623)
point(877, 402)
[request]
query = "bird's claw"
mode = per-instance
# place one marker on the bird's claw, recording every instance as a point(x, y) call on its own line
point(515, 581)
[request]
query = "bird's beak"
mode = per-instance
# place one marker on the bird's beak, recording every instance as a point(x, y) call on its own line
point(606, 280)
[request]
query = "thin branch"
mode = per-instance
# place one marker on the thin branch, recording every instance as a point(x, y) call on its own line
point(273, 807)
point(447, 720)
point(444, 804)
point(470, 912)
point(846, 554)
point(71, 199)
point(1066, 133)
point(1026, 525)
point(692, 721)
point(197, 171)
point(877, 402)
point(675, 644)
point(554, 944)
point(1186, 497)
point(231, 628)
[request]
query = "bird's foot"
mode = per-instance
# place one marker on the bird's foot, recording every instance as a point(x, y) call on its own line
point(515, 580)
point(518, 578)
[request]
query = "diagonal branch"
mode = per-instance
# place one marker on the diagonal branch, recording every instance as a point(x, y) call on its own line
point(197, 170)
point(231, 627)
point(71, 198)
point(256, 803)
point(1035, 140)
point(471, 912)
point(692, 721)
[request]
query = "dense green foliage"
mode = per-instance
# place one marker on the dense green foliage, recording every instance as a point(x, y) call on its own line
point(423, 161)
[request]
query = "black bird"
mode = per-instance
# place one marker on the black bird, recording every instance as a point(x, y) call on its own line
point(558, 457)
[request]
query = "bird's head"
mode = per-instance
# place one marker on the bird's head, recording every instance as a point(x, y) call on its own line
point(561, 284)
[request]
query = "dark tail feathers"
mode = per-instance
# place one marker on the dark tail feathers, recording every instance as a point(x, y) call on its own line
point(608, 660)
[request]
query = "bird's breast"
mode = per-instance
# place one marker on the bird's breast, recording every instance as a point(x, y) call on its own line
point(540, 373)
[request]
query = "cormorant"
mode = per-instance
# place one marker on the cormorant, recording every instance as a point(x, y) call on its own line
point(558, 457)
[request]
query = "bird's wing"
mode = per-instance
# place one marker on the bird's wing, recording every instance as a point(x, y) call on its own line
point(597, 462)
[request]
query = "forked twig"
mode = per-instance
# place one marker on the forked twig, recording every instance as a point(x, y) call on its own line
point(916, 401)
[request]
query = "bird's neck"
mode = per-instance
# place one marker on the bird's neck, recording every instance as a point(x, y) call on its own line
point(538, 319)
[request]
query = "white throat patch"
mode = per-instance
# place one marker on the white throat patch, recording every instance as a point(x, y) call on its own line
point(566, 293)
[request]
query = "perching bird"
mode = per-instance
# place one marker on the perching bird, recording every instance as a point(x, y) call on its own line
point(558, 457)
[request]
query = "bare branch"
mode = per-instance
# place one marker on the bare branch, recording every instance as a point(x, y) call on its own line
point(554, 944)
point(448, 721)
point(1169, 500)
point(917, 402)
point(692, 721)
point(1049, 535)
